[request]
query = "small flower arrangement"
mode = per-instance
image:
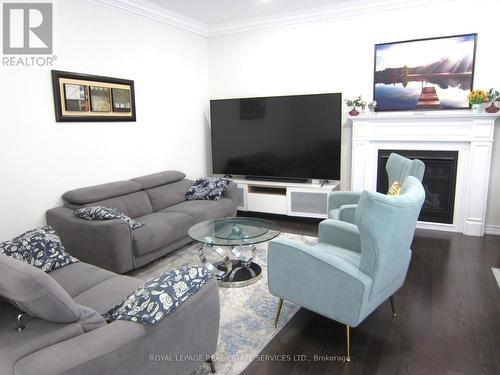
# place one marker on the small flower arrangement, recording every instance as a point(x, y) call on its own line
point(493, 97)
point(477, 97)
point(358, 102)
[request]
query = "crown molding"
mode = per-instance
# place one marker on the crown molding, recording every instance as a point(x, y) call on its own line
point(148, 10)
point(322, 14)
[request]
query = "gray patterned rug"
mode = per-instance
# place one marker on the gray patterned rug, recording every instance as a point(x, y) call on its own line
point(246, 313)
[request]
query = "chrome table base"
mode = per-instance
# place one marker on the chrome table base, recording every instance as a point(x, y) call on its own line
point(242, 274)
point(232, 273)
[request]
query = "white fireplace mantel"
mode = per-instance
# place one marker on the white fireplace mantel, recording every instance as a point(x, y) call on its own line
point(471, 134)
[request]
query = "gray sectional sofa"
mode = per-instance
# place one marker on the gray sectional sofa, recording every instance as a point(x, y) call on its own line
point(158, 200)
point(65, 342)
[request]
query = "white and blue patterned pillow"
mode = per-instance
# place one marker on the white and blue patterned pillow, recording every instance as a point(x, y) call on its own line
point(207, 188)
point(106, 213)
point(39, 247)
point(157, 298)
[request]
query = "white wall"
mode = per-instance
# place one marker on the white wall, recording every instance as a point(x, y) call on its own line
point(41, 159)
point(337, 56)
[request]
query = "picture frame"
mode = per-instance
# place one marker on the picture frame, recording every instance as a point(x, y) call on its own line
point(80, 97)
point(424, 74)
point(100, 99)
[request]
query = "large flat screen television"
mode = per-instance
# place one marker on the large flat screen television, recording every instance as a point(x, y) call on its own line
point(281, 137)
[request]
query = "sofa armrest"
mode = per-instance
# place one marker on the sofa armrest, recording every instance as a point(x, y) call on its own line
point(340, 233)
point(107, 243)
point(347, 213)
point(232, 193)
point(317, 280)
point(178, 344)
point(336, 199)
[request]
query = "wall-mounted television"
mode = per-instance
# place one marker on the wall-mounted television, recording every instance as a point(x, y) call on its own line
point(280, 137)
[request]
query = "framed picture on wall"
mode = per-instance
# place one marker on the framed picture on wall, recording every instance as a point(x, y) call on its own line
point(83, 97)
point(76, 97)
point(424, 74)
point(121, 100)
point(100, 99)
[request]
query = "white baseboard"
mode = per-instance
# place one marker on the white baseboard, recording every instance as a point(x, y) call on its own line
point(492, 229)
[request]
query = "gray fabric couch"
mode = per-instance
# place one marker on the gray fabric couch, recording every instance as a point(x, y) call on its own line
point(157, 200)
point(179, 344)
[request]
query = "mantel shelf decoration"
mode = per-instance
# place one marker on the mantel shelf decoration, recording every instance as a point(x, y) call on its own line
point(83, 97)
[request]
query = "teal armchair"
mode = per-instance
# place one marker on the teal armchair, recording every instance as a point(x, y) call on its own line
point(342, 204)
point(353, 268)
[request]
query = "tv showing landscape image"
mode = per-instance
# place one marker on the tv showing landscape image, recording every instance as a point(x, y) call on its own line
point(424, 74)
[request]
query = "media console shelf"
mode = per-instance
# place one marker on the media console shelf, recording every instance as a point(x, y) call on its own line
point(285, 198)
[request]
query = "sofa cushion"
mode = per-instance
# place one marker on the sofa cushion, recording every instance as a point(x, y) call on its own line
point(39, 334)
point(79, 277)
point(161, 229)
point(208, 188)
point(204, 210)
point(167, 195)
point(40, 247)
point(150, 303)
point(103, 296)
point(105, 213)
point(133, 205)
point(99, 192)
point(158, 179)
point(38, 294)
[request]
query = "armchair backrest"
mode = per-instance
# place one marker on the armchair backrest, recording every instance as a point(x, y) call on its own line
point(398, 168)
point(387, 225)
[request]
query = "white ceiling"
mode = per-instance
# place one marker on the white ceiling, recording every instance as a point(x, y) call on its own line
point(212, 12)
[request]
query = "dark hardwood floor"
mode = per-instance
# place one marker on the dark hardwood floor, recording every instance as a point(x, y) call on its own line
point(448, 318)
point(299, 225)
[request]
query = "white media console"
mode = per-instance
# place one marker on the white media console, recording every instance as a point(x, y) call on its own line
point(285, 198)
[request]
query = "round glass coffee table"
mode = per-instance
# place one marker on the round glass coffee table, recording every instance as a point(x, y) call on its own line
point(239, 235)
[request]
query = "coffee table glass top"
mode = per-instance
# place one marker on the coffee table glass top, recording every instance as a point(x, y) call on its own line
point(234, 231)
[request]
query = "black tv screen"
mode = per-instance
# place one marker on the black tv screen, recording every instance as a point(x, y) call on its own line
point(281, 137)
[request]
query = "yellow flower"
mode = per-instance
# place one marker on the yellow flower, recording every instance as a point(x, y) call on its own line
point(477, 97)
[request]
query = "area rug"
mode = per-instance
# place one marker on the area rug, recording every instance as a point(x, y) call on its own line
point(247, 313)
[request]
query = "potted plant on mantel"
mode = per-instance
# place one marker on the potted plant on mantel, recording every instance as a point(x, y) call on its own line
point(476, 98)
point(358, 102)
point(493, 97)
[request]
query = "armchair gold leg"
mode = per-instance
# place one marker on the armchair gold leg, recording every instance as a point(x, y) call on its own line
point(278, 311)
point(392, 306)
point(348, 358)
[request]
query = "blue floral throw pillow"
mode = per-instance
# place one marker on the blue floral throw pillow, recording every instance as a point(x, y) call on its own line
point(39, 247)
point(105, 213)
point(157, 298)
point(207, 188)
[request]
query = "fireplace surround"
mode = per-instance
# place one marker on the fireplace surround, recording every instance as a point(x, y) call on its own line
point(467, 134)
